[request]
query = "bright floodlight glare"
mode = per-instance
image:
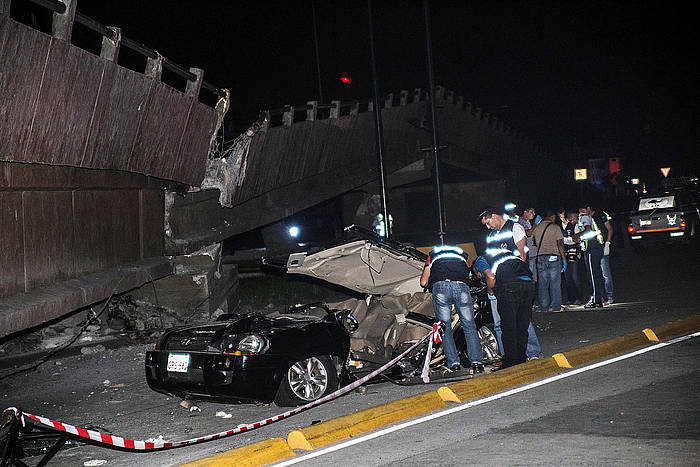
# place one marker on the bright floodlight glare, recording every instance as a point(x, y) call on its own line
point(509, 206)
point(293, 231)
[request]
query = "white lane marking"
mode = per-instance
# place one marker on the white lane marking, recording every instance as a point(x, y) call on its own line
point(494, 397)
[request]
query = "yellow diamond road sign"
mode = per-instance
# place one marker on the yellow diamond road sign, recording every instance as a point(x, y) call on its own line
point(665, 171)
point(580, 174)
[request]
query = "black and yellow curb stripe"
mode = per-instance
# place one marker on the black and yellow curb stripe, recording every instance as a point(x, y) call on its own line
point(347, 426)
point(335, 430)
point(263, 452)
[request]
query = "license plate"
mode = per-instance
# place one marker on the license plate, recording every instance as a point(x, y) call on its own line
point(178, 362)
point(643, 222)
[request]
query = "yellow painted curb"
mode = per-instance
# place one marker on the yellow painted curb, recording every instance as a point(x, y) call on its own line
point(256, 454)
point(344, 427)
point(678, 328)
point(650, 335)
point(561, 360)
point(500, 380)
point(607, 348)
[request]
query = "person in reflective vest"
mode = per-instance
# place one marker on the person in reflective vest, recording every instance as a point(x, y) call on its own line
point(593, 248)
point(380, 225)
point(482, 269)
point(445, 275)
point(511, 281)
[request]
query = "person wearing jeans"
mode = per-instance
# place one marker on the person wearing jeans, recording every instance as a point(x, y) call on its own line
point(551, 262)
point(445, 275)
point(607, 275)
point(446, 294)
point(549, 269)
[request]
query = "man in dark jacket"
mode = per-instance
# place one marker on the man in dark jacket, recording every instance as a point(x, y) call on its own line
point(511, 281)
point(445, 275)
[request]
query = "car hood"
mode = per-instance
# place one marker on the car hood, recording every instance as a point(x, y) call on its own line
point(364, 266)
point(208, 337)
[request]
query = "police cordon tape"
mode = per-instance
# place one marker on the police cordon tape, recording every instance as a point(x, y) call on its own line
point(121, 443)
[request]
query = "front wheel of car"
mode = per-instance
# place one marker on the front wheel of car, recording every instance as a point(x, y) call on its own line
point(306, 381)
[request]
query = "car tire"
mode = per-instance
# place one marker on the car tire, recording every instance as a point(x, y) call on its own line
point(489, 345)
point(306, 381)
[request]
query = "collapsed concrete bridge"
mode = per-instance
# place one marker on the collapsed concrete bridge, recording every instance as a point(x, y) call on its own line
point(108, 180)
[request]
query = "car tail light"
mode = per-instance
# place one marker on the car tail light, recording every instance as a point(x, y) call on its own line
point(630, 228)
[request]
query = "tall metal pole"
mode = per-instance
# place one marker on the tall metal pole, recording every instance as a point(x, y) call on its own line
point(433, 118)
point(318, 57)
point(379, 129)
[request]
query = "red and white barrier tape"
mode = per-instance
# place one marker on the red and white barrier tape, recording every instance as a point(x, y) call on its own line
point(112, 441)
point(435, 339)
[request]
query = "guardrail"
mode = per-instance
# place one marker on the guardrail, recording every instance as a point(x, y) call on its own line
point(65, 15)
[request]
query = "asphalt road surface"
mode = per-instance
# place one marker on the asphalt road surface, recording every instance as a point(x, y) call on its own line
point(107, 390)
point(642, 410)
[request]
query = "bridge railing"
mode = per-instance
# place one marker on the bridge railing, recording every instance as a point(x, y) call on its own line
point(312, 110)
point(65, 15)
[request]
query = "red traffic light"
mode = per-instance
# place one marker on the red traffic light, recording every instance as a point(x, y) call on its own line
point(345, 79)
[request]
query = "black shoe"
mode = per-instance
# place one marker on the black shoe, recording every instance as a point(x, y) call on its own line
point(477, 368)
point(593, 305)
point(455, 367)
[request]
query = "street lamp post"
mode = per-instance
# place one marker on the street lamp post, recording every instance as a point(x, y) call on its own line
point(433, 118)
point(379, 129)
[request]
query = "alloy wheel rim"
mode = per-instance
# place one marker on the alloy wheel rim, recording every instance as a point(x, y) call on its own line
point(308, 379)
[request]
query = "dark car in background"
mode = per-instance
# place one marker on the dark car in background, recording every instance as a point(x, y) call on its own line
point(665, 216)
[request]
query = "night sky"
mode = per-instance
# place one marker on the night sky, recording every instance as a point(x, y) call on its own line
point(582, 79)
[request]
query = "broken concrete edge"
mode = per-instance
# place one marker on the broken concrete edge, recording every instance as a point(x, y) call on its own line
point(262, 452)
point(347, 426)
point(29, 309)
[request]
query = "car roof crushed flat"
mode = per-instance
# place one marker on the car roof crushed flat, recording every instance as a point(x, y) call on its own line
point(364, 266)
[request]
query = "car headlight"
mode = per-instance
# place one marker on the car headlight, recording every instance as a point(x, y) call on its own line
point(253, 345)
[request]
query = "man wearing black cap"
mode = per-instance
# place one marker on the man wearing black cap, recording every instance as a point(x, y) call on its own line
point(512, 283)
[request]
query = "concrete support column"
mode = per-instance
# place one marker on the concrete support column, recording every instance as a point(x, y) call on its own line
point(62, 25)
point(5, 7)
point(311, 112)
point(335, 109)
point(193, 87)
point(154, 67)
point(110, 47)
point(403, 99)
point(416, 95)
point(288, 116)
point(389, 101)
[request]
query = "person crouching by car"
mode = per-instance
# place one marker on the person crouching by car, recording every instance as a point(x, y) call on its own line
point(445, 276)
point(511, 281)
